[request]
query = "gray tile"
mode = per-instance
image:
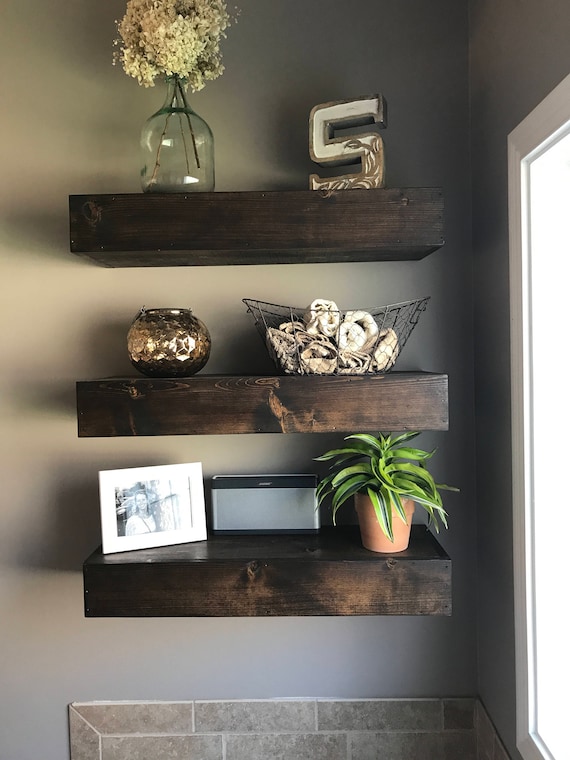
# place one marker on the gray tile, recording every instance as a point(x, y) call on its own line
point(163, 747)
point(83, 739)
point(457, 744)
point(500, 753)
point(458, 713)
point(286, 747)
point(138, 718)
point(259, 716)
point(396, 746)
point(485, 733)
point(380, 715)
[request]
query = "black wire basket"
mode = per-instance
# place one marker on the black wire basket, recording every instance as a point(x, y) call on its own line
point(324, 340)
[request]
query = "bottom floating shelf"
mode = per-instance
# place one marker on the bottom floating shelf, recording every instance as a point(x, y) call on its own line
point(328, 573)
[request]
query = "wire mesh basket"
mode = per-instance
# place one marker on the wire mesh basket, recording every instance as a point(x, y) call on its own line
point(321, 339)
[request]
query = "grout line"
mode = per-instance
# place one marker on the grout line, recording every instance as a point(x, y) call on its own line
point(84, 720)
point(348, 733)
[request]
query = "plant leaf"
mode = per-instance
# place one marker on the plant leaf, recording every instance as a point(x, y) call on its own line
point(344, 452)
point(383, 512)
point(369, 440)
point(346, 472)
point(399, 507)
point(403, 438)
point(405, 452)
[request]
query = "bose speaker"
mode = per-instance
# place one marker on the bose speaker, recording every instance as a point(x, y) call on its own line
point(264, 504)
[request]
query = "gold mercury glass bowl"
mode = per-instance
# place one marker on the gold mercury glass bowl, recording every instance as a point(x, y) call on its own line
point(168, 343)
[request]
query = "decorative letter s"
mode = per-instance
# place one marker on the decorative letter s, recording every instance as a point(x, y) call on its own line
point(364, 147)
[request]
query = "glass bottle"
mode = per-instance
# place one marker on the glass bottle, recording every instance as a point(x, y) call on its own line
point(177, 146)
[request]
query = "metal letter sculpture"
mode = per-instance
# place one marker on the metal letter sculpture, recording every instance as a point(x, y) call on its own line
point(345, 149)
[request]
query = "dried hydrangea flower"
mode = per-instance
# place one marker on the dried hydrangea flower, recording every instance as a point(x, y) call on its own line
point(173, 37)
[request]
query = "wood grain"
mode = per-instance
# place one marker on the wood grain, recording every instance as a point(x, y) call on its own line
point(243, 576)
point(287, 227)
point(219, 404)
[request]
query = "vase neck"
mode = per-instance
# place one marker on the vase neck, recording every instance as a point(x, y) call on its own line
point(176, 97)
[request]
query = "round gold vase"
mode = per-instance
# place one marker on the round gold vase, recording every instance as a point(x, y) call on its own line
point(168, 343)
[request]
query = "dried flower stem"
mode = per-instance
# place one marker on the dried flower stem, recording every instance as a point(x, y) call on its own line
point(183, 95)
point(180, 122)
point(157, 159)
point(178, 94)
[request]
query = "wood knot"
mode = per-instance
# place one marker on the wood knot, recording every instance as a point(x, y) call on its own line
point(252, 569)
point(391, 562)
point(92, 213)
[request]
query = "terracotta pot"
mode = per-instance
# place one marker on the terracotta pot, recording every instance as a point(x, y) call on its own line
point(373, 537)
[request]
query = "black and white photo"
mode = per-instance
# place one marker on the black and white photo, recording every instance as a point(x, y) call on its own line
point(142, 507)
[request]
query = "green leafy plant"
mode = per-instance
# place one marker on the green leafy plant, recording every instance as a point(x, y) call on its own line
point(387, 470)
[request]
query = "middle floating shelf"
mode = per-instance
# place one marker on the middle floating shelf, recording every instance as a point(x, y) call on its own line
point(227, 404)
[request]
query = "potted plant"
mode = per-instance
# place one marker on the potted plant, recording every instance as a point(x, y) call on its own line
point(387, 478)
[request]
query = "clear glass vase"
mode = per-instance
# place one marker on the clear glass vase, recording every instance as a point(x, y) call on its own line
point(177, 146)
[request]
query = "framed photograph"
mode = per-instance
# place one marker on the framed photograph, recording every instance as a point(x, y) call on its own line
point(142, 507)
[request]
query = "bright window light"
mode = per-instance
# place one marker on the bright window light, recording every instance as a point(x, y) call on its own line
point(549, 190)
point(539, 224)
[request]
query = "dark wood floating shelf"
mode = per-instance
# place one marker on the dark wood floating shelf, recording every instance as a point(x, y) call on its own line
point(220, 404)
point(243, 576)
point(273, 227)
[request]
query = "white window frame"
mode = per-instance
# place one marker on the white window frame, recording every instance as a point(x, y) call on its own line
point(542, 127)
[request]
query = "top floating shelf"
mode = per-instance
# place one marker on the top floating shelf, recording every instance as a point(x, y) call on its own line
point(277, 227)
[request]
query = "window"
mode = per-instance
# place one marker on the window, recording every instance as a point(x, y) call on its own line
point(539, 223)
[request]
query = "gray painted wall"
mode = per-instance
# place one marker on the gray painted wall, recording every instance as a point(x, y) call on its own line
point(70, 124)
point(519, 53)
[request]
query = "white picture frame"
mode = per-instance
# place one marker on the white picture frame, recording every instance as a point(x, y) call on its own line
point(144, 507)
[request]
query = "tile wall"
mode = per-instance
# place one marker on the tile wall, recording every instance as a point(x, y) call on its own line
point(291, 729)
